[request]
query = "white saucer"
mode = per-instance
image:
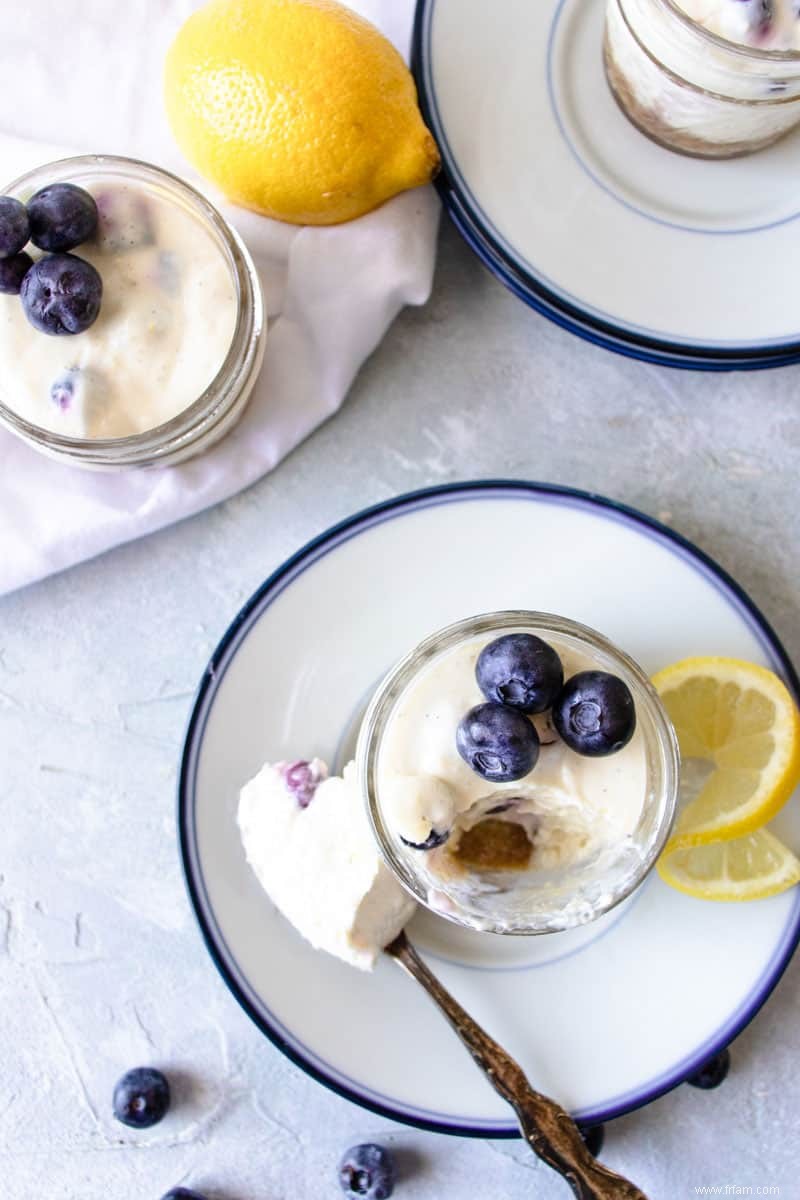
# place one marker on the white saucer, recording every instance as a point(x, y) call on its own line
point(646, 251)
point(603, 1018)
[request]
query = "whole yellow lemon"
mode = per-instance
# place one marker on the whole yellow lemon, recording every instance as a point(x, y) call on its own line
point(299, 109)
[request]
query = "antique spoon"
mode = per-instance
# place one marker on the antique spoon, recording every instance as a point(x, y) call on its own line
point(548, 1128)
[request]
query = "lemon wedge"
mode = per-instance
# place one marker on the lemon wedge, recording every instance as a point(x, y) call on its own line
point(746, 868)
point(299, 109)
point(739, 728)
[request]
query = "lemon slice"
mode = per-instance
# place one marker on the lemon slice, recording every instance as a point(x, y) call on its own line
point(739, 725)
point(746, 868)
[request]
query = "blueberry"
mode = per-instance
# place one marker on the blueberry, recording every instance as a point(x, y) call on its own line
point(182, 1193)
point(593, 1138)
point(61, 294)
point(433, 840)
point(62, 390)
point(712, 1073)
point(520, 670)
point(61, 216)
point(499, 743)
point(15, 228)
point(302, 780)
point(12, 272)
point(141, 1097)
point(594, 713)
point(367, 1171)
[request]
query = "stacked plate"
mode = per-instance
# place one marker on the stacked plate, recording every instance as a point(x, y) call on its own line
point(664, 258)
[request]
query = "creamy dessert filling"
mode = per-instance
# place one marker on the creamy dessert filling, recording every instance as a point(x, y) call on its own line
point(164, 328)
point(306, 835)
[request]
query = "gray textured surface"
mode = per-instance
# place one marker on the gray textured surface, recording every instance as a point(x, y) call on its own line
point(101, 966)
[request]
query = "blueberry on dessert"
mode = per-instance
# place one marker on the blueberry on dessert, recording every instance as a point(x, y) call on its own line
point(62, 390)
point(435, 838)
point(497, 742)
point(12, 272)
point(61, 217)
point(302, 779)
point(182, 1193)
point(520, 670)
point(61, 294)
point(594, 713)
point(367, 1171)
point(15, 229)
point(141, 1097)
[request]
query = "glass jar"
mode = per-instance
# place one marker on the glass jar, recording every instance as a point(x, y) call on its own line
point(530, 901)
point(213, 412)
point(692, 90)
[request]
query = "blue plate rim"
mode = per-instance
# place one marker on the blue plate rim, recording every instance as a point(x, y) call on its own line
point(212, 676)
point(535, 293)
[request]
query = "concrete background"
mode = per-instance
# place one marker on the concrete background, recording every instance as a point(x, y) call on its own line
point(101, 966)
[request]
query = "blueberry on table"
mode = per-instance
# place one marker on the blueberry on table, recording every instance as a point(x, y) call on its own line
point(12, 272)
point(367, 1171)
point(595, 714)
point(182, 1193)
point(61, 216)
point(498, 742)
point(520, 670)
point(712, 1073)
point(61, 294)
point(141, 1097)
point(15, 228)
point(593, 1138)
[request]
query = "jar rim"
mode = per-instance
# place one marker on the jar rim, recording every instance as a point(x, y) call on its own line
point(190, 424)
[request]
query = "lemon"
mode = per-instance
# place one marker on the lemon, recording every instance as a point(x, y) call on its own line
point(299, 109)
point(741, 723)
point(746, 868)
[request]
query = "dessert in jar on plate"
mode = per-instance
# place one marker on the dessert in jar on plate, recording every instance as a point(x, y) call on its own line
point(520, 772)
point(515, 773)
point(135, 330)
point(711, 78)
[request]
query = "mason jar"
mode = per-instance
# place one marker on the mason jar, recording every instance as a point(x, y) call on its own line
point(528, 901)
point(180, 342)
point(690, 89)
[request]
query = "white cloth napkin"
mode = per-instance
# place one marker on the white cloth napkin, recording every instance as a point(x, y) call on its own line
point(331, 293)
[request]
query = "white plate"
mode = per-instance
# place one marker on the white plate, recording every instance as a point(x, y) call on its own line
point(603, 1018)
point(647, 251)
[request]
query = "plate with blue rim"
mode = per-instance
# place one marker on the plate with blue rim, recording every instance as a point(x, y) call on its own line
point(605, 1017)
point(650, 253)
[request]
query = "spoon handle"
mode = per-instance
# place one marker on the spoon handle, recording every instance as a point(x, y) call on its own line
point(546, 1126)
